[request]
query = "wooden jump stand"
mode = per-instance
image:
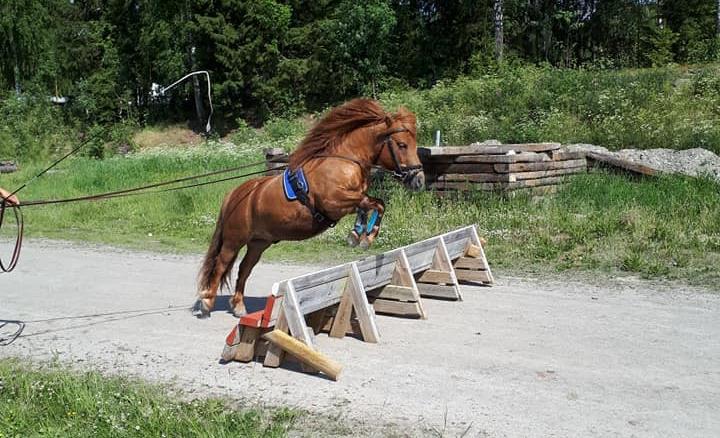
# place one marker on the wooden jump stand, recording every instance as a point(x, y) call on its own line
point(343, 300)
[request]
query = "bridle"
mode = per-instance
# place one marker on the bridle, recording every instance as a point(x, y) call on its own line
point(402, 172)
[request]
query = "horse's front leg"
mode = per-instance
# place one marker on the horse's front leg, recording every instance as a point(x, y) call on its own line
point(374, 208)
point(357, 232)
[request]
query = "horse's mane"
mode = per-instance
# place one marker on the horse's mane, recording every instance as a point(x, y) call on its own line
point(340, 121)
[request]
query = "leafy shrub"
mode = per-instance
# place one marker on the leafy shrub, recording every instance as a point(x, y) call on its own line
point(31, 128)
point(658, 107)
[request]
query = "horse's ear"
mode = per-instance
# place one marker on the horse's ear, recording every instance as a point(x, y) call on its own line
point(389, 120)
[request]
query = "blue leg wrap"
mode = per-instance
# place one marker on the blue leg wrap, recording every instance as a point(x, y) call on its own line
point(371, 221)
point(360, 222)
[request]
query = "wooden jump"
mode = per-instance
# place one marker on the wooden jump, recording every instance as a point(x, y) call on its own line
point(344, 299)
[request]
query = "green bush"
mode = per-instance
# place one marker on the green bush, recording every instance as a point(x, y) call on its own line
point(31, 128)
point(647, 108)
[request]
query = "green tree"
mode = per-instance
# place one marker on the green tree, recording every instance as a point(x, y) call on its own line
point(240, 42)
point(24, 32)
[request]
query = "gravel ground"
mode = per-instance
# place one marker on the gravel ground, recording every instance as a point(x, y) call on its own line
point(693, 162)
point(529, 357)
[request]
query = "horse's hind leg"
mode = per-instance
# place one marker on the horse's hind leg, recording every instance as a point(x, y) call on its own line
point(255, 248)
point(223, 262)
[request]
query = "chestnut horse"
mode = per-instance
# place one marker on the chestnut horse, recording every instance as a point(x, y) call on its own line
point(336, 157)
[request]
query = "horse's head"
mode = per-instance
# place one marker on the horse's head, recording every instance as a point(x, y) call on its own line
point(398, 149)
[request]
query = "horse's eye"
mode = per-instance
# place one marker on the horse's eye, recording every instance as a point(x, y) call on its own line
point(402, 145)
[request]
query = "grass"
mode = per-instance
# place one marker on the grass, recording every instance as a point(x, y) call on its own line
point(54, 401)
point(176, 135)
point(665, 228)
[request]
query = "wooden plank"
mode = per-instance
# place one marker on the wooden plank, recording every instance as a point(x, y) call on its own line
point(469, 263)
point(524, 157)
point(478, 242)
point(474, 251)
point(533, 167)
point(519, 176)
point(352, 329)
point(316, 320)
point(619, 163)
point(442, 291)
point(403, 275)
point(304, 353)
point(564, 154)
point(294, 317)
point(275, 355)
point(468, 186)
point(434, 276)
point(491, 149)
point(341, 322)
point(442, 168)
point(474, 276)
point(547, 181)
point(393, 292)
point(245, 348)
point(471, 177)
point(363, 311)
point(443, 261)
point(397, 308)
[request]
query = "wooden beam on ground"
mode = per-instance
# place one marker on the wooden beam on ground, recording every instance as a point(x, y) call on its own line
point(304, 353)
point(620, 163)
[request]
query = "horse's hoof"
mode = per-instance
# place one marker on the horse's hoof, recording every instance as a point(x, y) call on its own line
point(353, 239)
point(239, 312)
point(365, 244)
point(200, 310)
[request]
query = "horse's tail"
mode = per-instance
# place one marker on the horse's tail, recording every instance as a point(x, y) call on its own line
point(208, 266)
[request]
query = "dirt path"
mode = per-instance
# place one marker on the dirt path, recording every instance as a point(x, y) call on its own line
point(525, 358)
